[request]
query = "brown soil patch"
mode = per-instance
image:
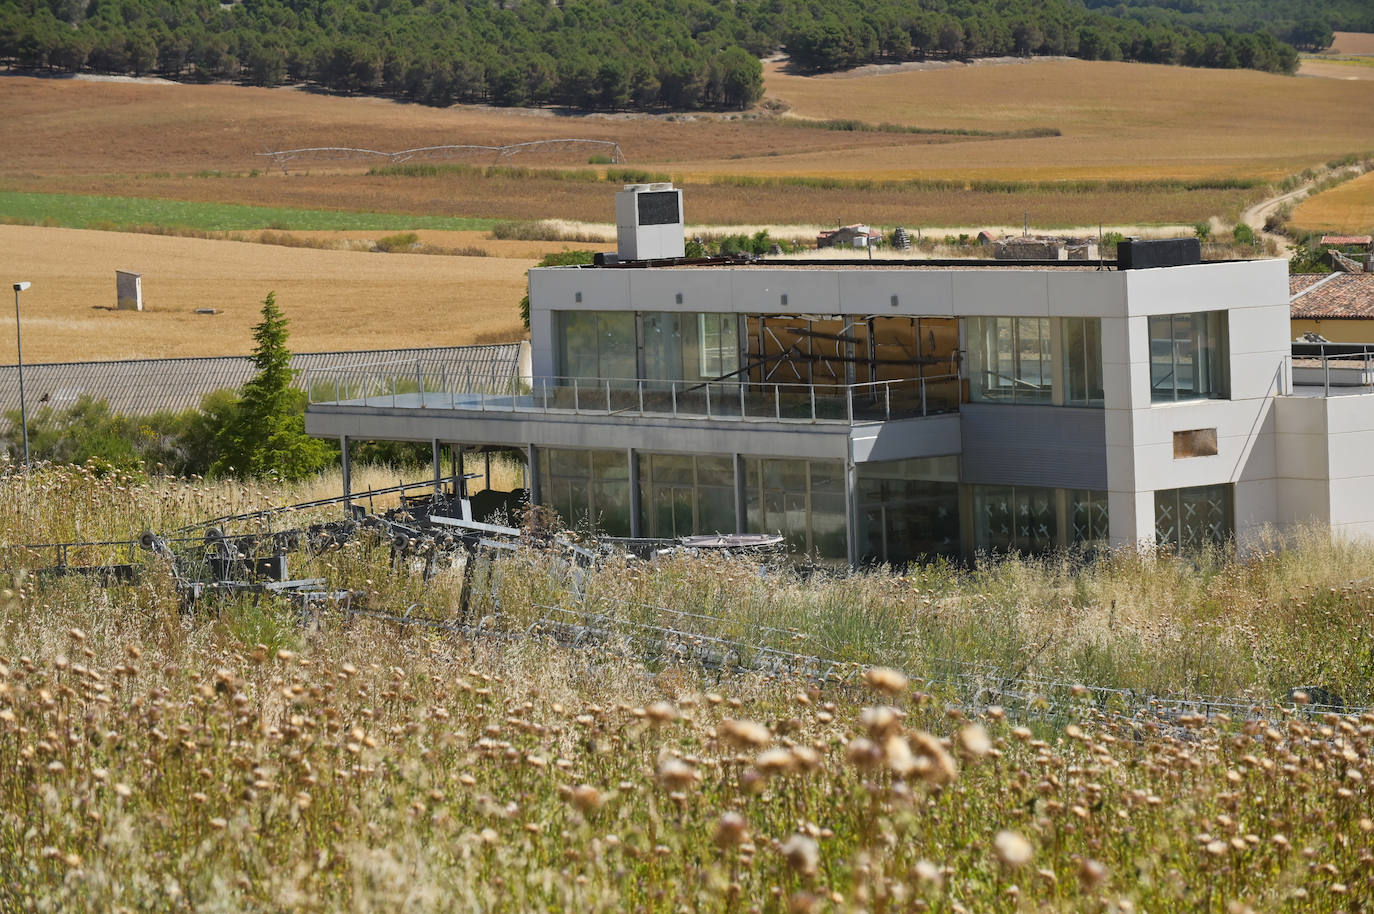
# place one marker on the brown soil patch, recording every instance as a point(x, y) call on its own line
point(335, 300)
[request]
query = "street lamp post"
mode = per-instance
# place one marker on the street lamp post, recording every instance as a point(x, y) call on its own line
point(19, 337)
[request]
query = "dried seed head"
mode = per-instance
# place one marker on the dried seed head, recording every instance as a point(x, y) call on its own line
point(731, 830)
point(585, 798)
point(661, 712)
point(776, 761)
point(938, 766)
point(880, 722)
point(675, 774)
point(863, 753)
point(885, 680)
point(974, 742)
point(744, 734)
point(802, 854)
point(1091, 874)
point(1013, 849)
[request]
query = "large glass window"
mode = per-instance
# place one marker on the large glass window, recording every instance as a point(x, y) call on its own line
point(908, 509)
point(1194, 517)
point(1188, 356)
point(1032, 519)
point(587, 488)
point(684, 495)
point(801, 499)
point(1014, 519)
point(1011, 360)
point(596, 344)
point(1087, 517)
point(689, 346)
point(1082, 357)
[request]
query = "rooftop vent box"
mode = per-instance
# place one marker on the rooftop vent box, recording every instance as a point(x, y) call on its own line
point(1134, 254)
point(648, 222)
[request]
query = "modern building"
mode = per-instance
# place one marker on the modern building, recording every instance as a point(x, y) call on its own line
point(893, 410)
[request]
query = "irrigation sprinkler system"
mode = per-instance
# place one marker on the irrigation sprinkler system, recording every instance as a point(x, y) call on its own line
point(433, 532)
point(282, 157)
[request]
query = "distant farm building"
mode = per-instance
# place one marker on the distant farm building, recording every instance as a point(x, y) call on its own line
point(1036, 247)
point(849, 236)
point(1337, 306)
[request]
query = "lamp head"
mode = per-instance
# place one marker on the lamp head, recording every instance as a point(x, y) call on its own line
point(21, 286)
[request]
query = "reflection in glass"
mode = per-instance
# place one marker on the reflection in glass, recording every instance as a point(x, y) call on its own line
point(1188, 356)
point(1011, 360)
point(908, 510)
point(588, 488)
point(1191, 518)
point(803, 500)
point(1082, 361)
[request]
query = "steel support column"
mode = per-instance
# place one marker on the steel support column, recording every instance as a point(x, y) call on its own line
point(741, 496)
point(636, 528)
point(347, 472)
point(532, 470)
point(851, 506)
point(438, 468)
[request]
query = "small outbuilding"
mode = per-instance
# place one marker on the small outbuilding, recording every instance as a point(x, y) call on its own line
point(128, 291)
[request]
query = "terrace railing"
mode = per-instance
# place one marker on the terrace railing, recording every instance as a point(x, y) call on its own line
point(1339, 365)
point(426, 384)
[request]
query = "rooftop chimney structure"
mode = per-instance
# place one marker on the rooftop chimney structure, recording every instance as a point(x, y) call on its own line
point(648, 222)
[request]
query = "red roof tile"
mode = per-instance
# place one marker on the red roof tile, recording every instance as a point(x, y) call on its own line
point(1338, 295)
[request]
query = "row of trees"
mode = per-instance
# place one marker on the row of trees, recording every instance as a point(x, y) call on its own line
point(616, 54)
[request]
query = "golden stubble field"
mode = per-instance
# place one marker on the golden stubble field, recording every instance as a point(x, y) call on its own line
point(1347, 208)
point(336, 300)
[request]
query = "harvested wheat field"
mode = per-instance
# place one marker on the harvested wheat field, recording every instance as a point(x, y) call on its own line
point(1118, 120)
point(1354, 43)
point(335, 300)
point(1346, 208)
point(1133, 121)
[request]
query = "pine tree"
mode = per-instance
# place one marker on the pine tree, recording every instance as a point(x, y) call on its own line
point(265, 434)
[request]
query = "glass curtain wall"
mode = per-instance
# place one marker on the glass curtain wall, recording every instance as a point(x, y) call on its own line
point(1082, 356)
point(1191, 518)
point(587, 488)
point(1188, 357)
point(596, 344)
point(1011, 360)
point(1033, 519)
point(908, 510)
point(801, 499)
point(685, 495)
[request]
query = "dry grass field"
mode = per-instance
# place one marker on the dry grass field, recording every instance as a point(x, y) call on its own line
point(1127, 123)
point(1347, 208)
point(336, 300)
point(1119, 121)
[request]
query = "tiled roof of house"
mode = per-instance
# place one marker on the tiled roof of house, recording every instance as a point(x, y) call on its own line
point(1336, 295)
point(142, 386)
point(1345, 239)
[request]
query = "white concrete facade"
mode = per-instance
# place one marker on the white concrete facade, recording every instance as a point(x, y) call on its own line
point(1280, 456)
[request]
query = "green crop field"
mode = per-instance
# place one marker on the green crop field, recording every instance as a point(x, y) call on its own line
point(123, 213)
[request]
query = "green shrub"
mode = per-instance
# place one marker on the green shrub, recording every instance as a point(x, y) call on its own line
point(398, 244)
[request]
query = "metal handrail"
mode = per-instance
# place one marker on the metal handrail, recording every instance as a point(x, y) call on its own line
point(433, 384)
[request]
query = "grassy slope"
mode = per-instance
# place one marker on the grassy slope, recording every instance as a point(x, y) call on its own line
point(157, 759)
